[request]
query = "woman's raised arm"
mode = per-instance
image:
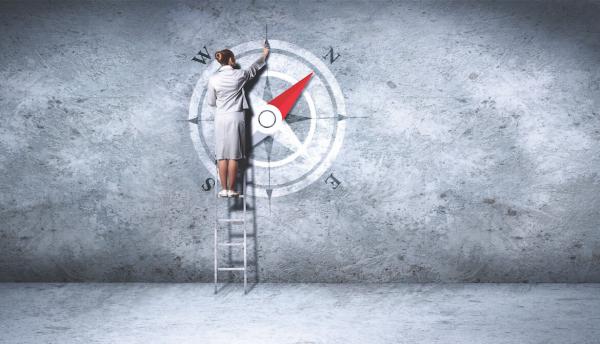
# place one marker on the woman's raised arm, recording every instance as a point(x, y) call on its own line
point(256, 66)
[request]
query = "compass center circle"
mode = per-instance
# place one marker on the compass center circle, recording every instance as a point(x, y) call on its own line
point(267, 119)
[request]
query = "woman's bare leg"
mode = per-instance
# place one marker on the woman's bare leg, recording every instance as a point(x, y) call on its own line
point(223, 173)
point(232, 173)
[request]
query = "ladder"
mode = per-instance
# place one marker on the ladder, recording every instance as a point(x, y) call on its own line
point(230, 221)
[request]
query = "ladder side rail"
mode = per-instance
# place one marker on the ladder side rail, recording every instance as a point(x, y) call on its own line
point(244, 225)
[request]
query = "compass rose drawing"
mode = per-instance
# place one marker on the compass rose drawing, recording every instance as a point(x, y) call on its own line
point(297, 124)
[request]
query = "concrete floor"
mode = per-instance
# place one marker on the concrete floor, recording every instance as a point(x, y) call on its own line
point(299, 313)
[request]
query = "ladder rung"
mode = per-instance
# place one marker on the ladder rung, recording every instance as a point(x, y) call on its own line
point(231, 269)
point(233, 221)
point(231, 243)
point(240, 235)
point(249, 262)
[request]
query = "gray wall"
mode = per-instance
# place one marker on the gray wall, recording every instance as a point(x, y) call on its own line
point(478, 159)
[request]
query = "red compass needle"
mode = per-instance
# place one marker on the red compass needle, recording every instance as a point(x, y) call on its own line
point(286, 100)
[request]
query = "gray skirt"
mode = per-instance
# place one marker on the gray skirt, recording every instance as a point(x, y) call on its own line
point(230, 135)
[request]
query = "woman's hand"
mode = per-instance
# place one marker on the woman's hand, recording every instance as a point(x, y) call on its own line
point(265, 51)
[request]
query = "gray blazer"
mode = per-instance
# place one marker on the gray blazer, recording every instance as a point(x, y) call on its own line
point(225, 88)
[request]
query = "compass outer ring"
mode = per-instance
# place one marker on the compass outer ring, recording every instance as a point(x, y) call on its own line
point(326, 162)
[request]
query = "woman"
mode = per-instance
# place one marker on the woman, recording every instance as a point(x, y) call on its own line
point(225, 90)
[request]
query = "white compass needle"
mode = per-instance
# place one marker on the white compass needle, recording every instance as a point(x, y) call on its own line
point(257, 135)
point(288, 138)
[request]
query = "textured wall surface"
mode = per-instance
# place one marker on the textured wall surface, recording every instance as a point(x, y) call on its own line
point(478, 158)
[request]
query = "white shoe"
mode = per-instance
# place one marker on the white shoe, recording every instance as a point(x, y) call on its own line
point(232, 193)
point(224, 193)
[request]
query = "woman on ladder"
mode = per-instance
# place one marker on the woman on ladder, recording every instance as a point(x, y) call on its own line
point(226, 91)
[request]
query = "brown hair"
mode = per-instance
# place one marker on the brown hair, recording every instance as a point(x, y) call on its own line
point(223, 56)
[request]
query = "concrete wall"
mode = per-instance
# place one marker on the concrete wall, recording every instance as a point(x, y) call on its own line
point(477, 158)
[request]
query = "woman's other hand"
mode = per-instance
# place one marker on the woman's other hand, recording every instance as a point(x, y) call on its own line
point(265, 51)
